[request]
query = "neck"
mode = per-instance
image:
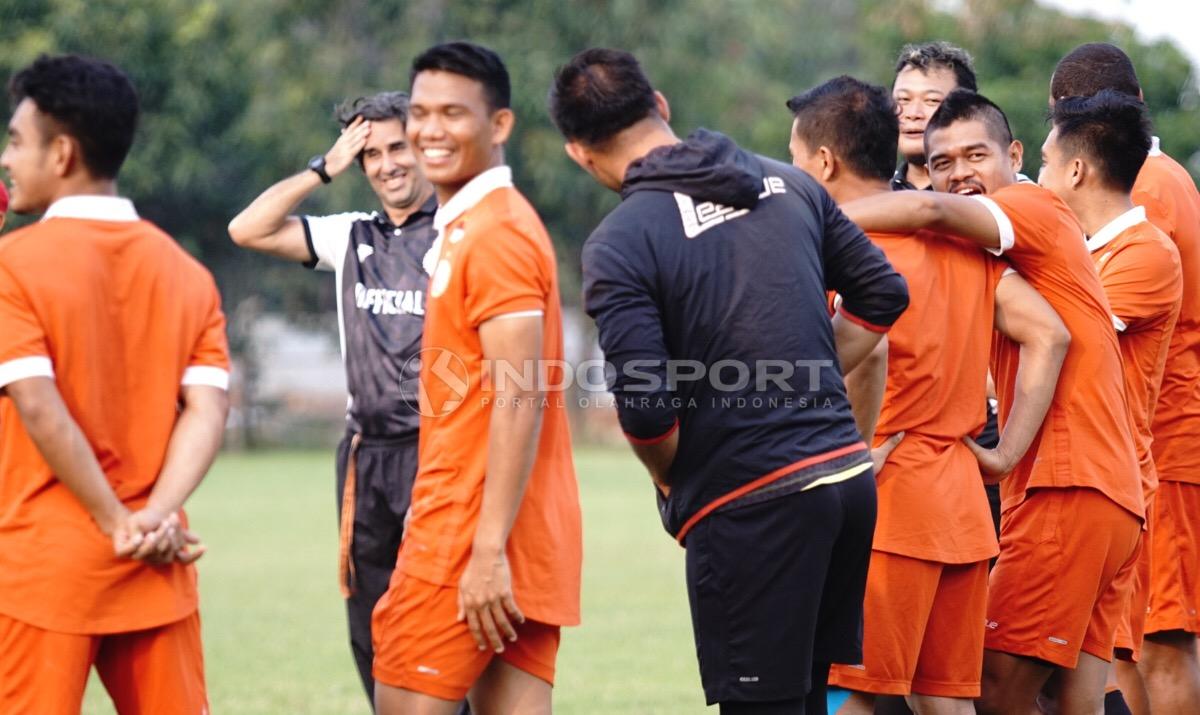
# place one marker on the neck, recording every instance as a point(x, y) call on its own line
point(84, 186)
point(445, 192)
point(1096, 209)
point(641, 139)
point(918, 175)
point(398, 215)
point(851, 186)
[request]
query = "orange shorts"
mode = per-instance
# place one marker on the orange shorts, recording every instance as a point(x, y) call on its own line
point(1062, 579)
point(1174, 559)
point(922, 629)
point(160, 670)
point(421, 646)
point(1131, 629)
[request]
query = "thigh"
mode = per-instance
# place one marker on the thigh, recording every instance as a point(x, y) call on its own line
point(420, 645)
point(839, 632)
point(1174, 594)
point(951, 660)
point(42, 671)
point(755, 576)
point(159, 671)
point(899, 597)
point(1060, 551)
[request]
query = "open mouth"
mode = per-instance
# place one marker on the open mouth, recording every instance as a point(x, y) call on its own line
point(967, 190)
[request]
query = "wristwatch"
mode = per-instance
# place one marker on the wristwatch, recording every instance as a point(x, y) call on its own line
point(317, 164)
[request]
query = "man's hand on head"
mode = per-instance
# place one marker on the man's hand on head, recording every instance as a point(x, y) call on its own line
point(349, 145)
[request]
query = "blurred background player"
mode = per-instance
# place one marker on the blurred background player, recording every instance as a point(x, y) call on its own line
point(719, 255)
point(1091, 158)
point(927, 584)
point(378, 263)
point(113, 378)
point(1055, 597)
point(925, 74)
point(1169, 661)
point(489, 569)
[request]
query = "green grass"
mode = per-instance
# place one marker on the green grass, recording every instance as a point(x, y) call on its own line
point(274, 628)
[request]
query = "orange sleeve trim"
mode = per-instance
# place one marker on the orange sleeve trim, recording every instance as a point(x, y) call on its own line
point(763, 481)
point(654, 440)
point(862, 323)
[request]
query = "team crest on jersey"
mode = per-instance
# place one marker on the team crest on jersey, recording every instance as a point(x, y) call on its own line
point(364, 252)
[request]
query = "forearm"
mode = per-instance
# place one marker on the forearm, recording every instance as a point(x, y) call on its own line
point(193, 446)
point(268, 213)
point(658, 457)
point(865, 386)
point(910, 211)
point(66, 450)
point(1036, 380)
point(516, 424)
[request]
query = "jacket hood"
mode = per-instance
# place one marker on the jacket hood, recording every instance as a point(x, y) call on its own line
point(706, 166)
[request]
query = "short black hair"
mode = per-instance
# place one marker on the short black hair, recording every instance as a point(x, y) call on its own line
point(1089, 68)
point(964, 105)
point(1111, 128)
point(469, 60)
point(373, 108)
point(88, 99)
point(598, 94)
point(939, 55)
point(856, 120)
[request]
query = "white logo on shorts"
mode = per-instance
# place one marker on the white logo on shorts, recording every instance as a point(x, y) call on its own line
point(1059, 641)
point(427, 670)
point(748, 679)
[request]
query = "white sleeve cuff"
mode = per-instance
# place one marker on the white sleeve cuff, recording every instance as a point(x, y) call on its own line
point(518, 314)
point(1007, 236)
point(25, 367)
point(207, 376)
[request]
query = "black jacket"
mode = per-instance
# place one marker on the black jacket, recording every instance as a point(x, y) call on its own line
point(716, 255)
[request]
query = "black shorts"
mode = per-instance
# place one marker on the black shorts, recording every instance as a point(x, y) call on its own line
point(385, 472)
point(778, 585)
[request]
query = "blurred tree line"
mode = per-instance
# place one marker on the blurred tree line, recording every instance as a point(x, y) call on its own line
point(239, 93)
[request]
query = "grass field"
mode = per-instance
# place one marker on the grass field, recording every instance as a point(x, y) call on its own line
point(274, 629)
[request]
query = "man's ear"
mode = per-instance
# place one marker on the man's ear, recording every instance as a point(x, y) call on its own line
point(664, 107)
point(579, 155)
point(829, 164)
point(1016, 155)
point(502, 125)
point(1078, 172)
point(63, 154)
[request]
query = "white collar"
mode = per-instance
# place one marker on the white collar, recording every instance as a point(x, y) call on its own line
point(1155, 148)
point(498, 177)
point(93, 208)
point(1116, 227)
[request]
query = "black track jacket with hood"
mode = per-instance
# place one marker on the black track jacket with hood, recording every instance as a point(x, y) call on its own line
point(708, 285)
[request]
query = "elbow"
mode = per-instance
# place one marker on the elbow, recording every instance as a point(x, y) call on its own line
point(238, 233)
point(1060, 341)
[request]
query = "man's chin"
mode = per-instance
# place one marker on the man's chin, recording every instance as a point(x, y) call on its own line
point(914, 159)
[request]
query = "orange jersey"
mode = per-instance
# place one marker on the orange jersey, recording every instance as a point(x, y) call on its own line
point(1086, 439)
point(932, 504)
point(1139, 269)
point(493, 258)
point(120, 316)
point(1172, 203)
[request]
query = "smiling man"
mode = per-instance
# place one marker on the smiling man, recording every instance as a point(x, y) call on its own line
point(378, 263)
point(1057, 591)
point(490, 565)
point(925, 74)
